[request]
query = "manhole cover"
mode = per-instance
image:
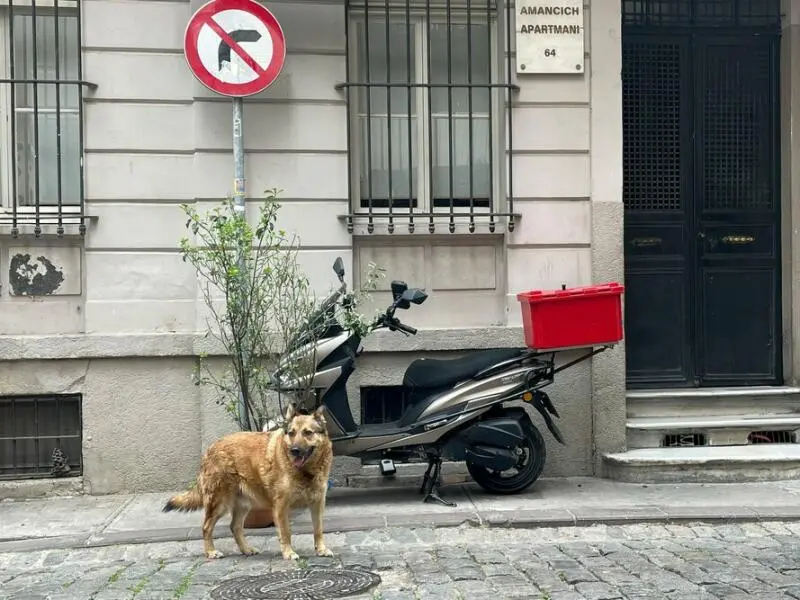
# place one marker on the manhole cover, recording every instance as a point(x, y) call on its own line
point(297, 584)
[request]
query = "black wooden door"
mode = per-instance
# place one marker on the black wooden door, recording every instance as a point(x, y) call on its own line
point(701, 190)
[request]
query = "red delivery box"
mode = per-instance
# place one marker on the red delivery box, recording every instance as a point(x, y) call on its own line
point(572, 317)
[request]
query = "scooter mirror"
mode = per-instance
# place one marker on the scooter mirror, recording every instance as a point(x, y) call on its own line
point(414, 296)
point(418, 296)
point(398, 289)
point(338, 268)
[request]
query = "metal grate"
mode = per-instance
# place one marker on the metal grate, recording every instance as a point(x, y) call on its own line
point(43, 103)
point(651, 97)
point(298, 584)
point(40, 436)
point(707, 13)
point(737, 122)
point(382, 404)
point(683, 440)
point(425, 141)
point(771, 437)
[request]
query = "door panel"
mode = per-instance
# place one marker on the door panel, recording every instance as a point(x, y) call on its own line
point(701, 196)
point(737, 198)
point(656, 79)
point(738, 340)
point(655, 346)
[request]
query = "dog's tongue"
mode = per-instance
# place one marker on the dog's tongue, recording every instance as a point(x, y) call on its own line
point(299, 461)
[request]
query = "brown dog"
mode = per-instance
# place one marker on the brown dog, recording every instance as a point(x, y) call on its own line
point(281, 470)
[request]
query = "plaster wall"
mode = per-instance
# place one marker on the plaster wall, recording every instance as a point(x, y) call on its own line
point(124, 328)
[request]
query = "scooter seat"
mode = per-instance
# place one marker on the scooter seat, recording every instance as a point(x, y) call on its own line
point(435, 373)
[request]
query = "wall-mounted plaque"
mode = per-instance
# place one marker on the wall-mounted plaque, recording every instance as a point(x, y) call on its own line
point(549, 36)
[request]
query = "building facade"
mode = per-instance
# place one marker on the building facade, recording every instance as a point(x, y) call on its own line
point(668, 162)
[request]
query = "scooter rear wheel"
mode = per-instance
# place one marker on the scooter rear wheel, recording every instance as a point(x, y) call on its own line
point(532, 459)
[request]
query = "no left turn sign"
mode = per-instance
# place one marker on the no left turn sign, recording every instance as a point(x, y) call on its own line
point(234, 47)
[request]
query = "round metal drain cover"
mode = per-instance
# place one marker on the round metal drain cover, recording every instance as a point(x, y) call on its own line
point(297, 584)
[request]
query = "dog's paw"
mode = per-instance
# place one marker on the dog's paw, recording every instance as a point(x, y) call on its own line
point(291, 555)
point(249, 551)
point(214, 554)
point(324, 552)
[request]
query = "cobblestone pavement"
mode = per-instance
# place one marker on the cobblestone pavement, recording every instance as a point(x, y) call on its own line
point(755, 561)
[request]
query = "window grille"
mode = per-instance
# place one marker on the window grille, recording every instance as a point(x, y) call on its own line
point(42, 104)
point(40, 436)
point(429, 93)
point(772, 437)
point(683, 440)
point(382, 403)
point(704, 13)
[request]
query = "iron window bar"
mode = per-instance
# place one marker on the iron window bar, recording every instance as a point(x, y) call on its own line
point(382, 14)
point(710, 13)
point(47, 14)
point(40, 436)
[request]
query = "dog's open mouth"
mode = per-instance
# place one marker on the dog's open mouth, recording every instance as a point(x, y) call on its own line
point(301, 459)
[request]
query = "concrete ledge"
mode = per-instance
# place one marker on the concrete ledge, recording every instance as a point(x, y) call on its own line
point(692, 422)
point(522, 519)
point(708, 464)
point(40, 488)
point(83, 346)
point(718, 392)
point(407, 476)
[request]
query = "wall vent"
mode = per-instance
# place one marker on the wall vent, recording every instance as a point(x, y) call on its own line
point(772, 437)
point(683, 440)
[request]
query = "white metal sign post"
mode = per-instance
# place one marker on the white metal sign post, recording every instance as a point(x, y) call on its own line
point(549, 36)
point(235, 48)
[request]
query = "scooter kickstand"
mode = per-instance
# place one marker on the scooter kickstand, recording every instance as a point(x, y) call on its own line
point(423, 489)
point(433, 484)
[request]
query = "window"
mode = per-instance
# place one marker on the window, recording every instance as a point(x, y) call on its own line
point(41, 102)
point(40, 436)
point(427, 87)
point(383, 403)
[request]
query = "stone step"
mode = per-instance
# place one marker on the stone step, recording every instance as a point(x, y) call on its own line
point(717, 430)
point(692, 423)
point(766, 400)
point(706, 464)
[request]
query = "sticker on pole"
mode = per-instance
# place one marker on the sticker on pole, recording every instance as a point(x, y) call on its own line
point(234, 47)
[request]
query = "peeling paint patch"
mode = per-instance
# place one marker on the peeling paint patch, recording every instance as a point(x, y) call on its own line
point(33, 278)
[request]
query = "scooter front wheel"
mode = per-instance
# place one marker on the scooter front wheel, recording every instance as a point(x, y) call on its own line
point(533, 455)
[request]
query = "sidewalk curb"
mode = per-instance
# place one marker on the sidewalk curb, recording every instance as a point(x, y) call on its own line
point(523, 519)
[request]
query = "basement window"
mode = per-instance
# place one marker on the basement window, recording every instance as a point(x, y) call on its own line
point(771, 437)
point(683, 440)
point(40, 436)
point(382, 403)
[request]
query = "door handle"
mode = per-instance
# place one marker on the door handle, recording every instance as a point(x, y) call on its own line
point(645, 242)
point(738, 240)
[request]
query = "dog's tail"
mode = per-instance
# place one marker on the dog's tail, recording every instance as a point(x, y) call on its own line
point(187, 501)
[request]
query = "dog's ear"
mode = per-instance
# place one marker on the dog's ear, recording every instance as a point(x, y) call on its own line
point(319, 416)
point(291, 411)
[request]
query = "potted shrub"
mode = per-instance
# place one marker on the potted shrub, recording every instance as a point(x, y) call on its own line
point(256, 296)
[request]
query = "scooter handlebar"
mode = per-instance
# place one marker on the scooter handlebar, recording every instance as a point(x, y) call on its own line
point(402, 327)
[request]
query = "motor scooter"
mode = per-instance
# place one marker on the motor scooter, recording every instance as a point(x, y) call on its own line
point(457, 409)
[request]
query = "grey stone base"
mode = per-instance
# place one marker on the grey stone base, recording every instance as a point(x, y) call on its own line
point(40, 488)
point(710, 464)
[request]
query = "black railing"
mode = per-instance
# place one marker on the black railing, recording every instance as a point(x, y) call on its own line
point(40, 436)
point(42, 91)
point(429, 93)
point(704, 13)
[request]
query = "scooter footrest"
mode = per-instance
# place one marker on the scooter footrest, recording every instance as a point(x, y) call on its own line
point(387, 467)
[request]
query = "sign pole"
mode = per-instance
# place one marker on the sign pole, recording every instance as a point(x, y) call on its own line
point(235, 48)
point(240, 212)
